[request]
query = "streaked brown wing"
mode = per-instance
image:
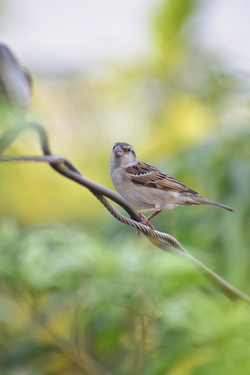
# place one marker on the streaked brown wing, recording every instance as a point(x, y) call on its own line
point(147, 175)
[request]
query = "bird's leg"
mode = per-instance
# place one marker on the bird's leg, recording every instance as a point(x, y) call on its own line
point(153, 214)
point(137, 230)
point(146, 210)
point(150, 217)
point(147, 219)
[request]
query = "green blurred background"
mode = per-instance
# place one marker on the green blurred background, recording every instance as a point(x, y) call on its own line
point(79, 292)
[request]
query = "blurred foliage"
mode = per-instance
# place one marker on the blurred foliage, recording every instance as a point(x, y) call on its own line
point(77, 303)
point(169, 22)
point(90, 298)
point(162, 105)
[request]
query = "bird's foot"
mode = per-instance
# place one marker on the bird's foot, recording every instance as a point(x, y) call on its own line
point(150, 217)
point(138, 233)
point(146, 221)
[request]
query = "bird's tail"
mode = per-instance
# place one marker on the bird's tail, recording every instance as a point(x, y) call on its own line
point(200, 200)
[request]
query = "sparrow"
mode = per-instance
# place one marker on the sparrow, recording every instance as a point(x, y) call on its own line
point(147, 187)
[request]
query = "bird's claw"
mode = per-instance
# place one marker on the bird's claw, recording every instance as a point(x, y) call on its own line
point(146, 221)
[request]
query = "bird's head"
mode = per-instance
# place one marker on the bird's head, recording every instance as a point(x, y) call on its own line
point(123, 155)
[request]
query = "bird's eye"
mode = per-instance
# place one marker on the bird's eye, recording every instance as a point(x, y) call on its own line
point(128, 149)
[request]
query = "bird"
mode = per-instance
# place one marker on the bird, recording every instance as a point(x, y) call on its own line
point(148, 188)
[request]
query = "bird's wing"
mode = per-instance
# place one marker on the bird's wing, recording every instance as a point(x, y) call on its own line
point(146, 175)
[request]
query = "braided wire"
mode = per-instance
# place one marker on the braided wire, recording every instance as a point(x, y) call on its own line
point(140, 226)
point(67, 169)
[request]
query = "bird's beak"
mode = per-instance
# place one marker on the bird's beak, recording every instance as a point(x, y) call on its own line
point(118, 151)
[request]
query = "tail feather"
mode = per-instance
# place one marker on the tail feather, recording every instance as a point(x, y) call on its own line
point(201, 200)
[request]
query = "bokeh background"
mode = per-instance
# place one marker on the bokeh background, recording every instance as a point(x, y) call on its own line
point(79, 292)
